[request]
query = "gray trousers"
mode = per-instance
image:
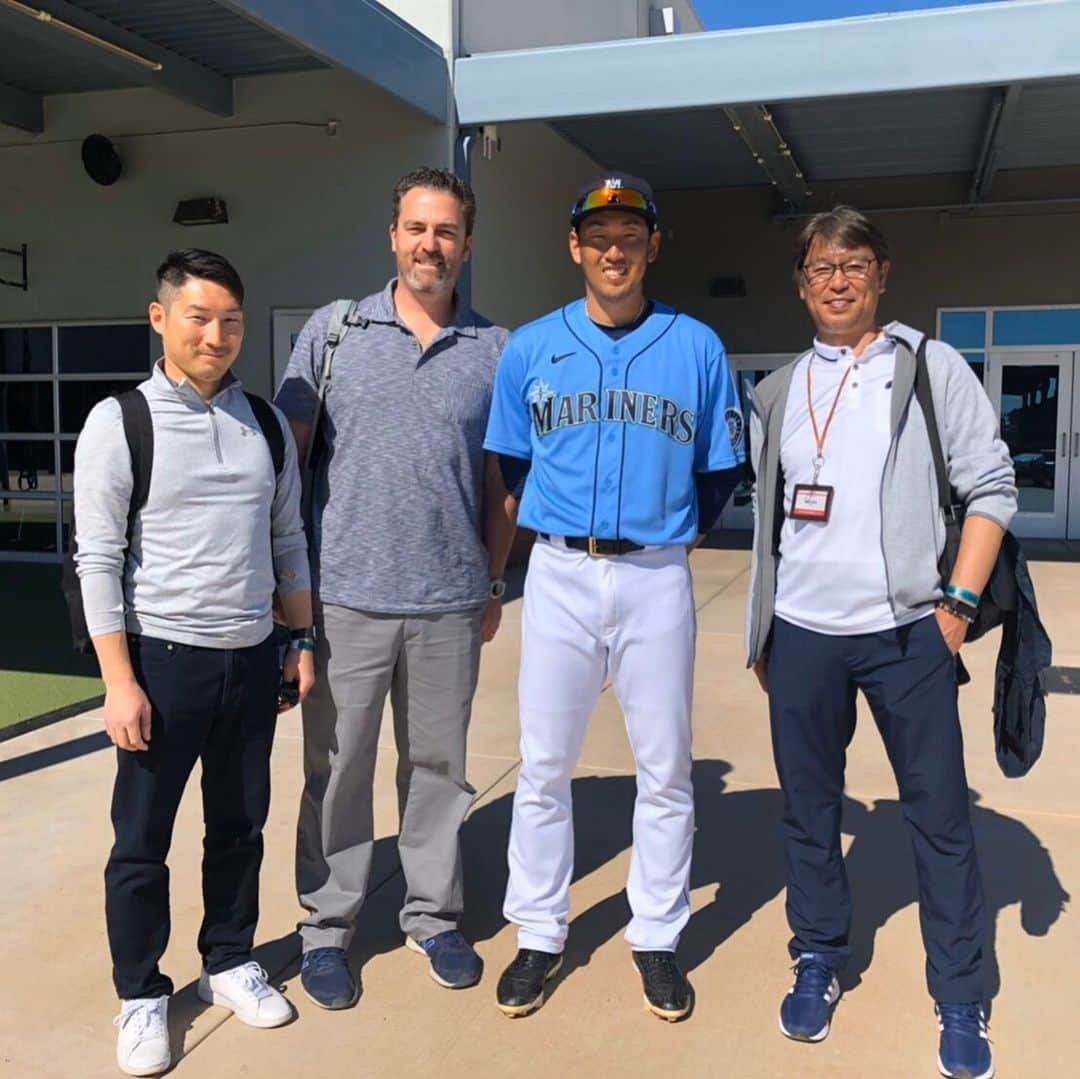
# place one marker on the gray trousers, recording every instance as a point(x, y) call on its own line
point(429, 665)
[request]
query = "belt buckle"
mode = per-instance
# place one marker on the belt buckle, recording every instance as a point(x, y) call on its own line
point(594, 551)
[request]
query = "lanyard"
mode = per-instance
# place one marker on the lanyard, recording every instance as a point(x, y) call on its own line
point(819, 437)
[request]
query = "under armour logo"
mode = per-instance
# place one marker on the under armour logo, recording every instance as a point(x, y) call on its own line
point(564, 356)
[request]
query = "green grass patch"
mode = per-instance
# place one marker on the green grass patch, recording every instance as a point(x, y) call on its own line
point(41, 672)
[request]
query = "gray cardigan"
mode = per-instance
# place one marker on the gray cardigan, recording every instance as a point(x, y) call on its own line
point(909, 526)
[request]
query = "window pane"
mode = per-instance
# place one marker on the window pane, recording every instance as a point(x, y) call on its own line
point(25, 351)
point(26, 408)
point(1059, 326)
point(26, 466)
point(1029, 424)
point(964, 329)
point(28, 526)
point(105, 349)
point(77, 398)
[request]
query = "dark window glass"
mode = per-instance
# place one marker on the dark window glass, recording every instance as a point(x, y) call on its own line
point(77, 398)
point(26, 466)
point(25, 351)
point(91, 350)
point(1029, 425)
point(26, 408)
point(67, 466)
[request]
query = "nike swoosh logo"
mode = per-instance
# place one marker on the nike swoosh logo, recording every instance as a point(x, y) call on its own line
point(564, 356)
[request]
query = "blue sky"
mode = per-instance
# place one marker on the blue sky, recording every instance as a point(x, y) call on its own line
point(726, 14)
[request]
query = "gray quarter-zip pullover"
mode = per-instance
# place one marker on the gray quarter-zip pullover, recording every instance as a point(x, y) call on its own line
point(218, 532)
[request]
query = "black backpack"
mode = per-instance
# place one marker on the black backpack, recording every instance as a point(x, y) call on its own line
point(139, 432)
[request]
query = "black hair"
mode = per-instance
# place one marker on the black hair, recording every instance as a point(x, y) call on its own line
point(843, 226)
point(205, 265)
point(438, 180)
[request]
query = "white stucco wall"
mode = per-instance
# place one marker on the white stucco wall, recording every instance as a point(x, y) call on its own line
point(307, 212)
point(522, 268)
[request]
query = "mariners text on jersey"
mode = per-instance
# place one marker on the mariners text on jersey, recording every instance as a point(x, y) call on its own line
point(615, 429)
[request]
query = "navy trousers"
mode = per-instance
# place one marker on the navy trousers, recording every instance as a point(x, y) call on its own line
point(908, 677)
point(220, 706)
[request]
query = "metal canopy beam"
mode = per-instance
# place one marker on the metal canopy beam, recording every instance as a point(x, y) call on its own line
point(135, 58)
point(998, 126)
point(988, 44)
point(756, 127)
point(21, 109)
point(364, 38)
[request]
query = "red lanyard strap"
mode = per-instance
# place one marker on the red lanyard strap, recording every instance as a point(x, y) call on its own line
point(819, 438)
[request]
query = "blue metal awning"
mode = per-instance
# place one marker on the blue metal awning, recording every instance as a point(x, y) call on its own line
point(989, 44)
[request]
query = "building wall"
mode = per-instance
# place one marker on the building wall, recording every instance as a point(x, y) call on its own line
point(1017, 257)
point(431, 17)
point(308, 212)
point(522, 268)
point(495, 25)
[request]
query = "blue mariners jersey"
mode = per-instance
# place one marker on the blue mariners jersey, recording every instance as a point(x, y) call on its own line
point(615, 429)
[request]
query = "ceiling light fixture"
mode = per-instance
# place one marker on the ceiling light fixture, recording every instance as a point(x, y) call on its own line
point(84, 35)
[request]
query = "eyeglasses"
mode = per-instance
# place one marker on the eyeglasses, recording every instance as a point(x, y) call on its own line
point(821, 273)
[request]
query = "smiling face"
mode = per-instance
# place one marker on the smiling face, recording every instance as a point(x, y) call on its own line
point(613, 249)
point(429, 240)
point(841, 288)
point(201, 325)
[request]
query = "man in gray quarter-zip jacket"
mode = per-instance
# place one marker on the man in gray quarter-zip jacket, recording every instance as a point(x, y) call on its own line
point(846, 595)
point(181, 624)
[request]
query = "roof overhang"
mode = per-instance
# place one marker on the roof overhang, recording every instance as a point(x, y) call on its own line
point(990, 44)
point(364, 38)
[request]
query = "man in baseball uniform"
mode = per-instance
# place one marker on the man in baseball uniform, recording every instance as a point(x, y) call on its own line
point(618, 432)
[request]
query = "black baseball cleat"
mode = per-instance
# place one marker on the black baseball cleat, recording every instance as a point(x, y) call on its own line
point(521, 987)
point(667, 992)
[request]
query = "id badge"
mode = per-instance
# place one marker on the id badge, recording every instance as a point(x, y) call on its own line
point(811, 502)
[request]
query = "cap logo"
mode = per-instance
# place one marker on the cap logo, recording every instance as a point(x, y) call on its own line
point(614, 182)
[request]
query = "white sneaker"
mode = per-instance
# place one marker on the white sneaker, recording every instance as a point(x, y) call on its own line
point(142, 1046)
point(245, 991)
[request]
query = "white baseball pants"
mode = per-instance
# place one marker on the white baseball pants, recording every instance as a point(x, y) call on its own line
point(630, 617)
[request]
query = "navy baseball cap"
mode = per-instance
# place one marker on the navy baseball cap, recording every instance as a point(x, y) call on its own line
point(615, 191)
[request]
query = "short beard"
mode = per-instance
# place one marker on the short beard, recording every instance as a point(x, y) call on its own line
point(426, 285)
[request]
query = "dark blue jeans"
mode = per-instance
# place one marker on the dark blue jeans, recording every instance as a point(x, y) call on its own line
point(909, 679)
point(219, 706)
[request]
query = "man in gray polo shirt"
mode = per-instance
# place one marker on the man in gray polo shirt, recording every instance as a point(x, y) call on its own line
point(406, 590)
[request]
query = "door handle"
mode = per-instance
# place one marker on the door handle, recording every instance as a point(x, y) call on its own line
point(1076, 444)
point(1064, 443)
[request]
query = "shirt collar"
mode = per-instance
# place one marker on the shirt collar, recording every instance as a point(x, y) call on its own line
point(832, 353)
point(186, 391)
point(379, 307)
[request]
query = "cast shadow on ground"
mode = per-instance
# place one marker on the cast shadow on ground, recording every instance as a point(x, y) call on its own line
point(737, 854)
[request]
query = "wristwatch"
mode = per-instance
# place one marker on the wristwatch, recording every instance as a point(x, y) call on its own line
point(497, 588)
point(303, 640)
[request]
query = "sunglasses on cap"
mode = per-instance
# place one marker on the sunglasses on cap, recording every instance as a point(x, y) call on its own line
point(613, 198)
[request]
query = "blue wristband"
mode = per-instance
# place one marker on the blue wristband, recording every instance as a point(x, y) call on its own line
point(302, 644)
point(965, 595)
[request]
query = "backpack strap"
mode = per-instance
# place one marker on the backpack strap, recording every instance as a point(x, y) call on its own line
point(343, 316)
point(139, 432)
point(924, 395)
point(271, 429)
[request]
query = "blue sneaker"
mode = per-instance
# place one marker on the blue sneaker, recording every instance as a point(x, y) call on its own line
point(454, 963)
point(964, 1050)
point(325, 978)
point(807, 1009)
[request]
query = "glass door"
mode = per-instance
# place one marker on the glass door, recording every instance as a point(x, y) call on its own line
point(1032, 392)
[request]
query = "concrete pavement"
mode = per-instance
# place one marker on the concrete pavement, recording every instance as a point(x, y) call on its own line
point(55, 835)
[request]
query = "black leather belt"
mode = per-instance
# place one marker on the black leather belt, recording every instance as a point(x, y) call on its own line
point(600, 548)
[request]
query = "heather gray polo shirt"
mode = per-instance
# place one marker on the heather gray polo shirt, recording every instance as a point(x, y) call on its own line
point(398, 523)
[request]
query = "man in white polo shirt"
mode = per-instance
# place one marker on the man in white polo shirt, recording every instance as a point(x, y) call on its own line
point(846, 594)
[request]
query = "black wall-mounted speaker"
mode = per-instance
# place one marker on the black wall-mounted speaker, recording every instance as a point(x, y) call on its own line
point(101, 161)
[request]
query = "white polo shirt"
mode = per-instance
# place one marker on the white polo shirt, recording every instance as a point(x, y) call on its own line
point(832, 574)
